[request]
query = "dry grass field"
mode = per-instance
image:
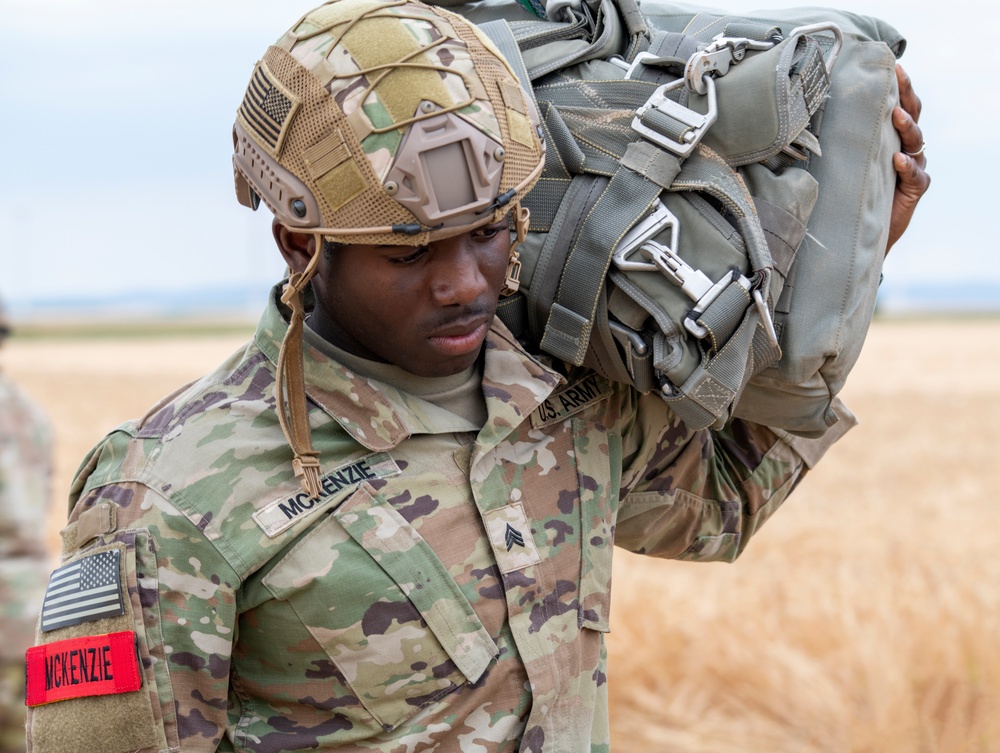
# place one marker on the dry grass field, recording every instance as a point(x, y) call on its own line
point(864, 618)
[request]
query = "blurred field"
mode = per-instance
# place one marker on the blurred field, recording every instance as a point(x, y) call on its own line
point(865, 617)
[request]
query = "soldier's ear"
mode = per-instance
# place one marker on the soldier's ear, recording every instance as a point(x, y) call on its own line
point(296, 248)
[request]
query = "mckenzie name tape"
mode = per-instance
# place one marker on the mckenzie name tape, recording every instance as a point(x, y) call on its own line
point(335, 486)
point(92, 665)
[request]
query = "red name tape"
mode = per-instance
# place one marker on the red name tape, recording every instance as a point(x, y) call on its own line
point(80, 667)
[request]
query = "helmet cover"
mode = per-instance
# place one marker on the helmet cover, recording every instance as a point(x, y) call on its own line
point(385, 122)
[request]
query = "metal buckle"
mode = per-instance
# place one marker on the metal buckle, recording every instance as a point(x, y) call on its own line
point(629, 338)
point(636, 62)
point(838, 40)
point(664, 259)
point(696, 123)
point(716, 59)
point(699, 287)
point(644, 230)
point(765, 316)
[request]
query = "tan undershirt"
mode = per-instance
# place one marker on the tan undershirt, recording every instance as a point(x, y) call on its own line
point(460, 394)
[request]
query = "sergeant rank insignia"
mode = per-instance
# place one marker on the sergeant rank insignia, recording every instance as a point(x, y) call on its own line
point(513, 537)
point(510, 537)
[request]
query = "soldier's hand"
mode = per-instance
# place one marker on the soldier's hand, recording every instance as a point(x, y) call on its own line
point(912, 180)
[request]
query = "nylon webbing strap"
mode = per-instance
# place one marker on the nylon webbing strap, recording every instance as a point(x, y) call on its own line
point(809, 76)
point(606, 94)
point(635, 23)
point(707, 172)
point(725, 313)
point(570, 156)
point(662, 123)
point(578, 200)
point(751, 29)
point(513, 312)
point(667, 48)
point(567, 331)
point(603, 355)
point(653, 163)
point(717, 382)
point(580, 28)
point(501, 35)
point(670, 52)
point(531, 34)
point(562, 152)
point(673, 44)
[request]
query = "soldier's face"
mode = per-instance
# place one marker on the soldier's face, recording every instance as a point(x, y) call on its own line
point(425, 309)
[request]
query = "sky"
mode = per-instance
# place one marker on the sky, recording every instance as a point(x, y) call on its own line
point(116, 173)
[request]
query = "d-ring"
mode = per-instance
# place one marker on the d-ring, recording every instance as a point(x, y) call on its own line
point(923, 145)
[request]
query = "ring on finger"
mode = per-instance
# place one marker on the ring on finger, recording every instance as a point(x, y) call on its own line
point(923, 146)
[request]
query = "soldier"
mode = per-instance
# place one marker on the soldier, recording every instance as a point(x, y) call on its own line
point(382, 525)
point(25, 475)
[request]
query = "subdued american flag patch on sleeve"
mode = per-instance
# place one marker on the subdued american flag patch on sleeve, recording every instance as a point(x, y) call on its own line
point(85, 590)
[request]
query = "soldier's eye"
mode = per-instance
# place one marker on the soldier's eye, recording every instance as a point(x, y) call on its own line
point(411, 257)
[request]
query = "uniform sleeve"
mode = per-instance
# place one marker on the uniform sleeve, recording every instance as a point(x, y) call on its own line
point(177, 617)
point(701, 495)
point(25, 474)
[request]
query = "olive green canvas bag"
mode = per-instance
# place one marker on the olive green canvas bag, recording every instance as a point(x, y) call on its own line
point(714, 208)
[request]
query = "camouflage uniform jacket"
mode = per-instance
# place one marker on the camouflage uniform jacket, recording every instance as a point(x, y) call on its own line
point(25, 475)
point(25, 478)
point(449, 589)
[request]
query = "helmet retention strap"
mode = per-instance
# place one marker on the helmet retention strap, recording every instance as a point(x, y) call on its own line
point(290, 393)
point(522, 218)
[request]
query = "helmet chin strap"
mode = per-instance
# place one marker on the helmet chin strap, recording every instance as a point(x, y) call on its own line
point(522, 218)
point(293, 414)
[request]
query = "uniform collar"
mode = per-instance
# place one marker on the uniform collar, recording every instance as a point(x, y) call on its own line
point(379, 416)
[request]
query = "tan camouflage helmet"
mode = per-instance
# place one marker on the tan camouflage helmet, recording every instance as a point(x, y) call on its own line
point(380, 122)
point(385, 122)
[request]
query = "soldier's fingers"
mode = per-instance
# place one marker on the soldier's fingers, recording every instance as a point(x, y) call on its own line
point(911, 137)
point(911, 184)
point(913, 180)
point(908, 98)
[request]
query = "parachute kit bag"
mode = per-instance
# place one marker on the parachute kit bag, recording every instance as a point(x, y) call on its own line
point(714, 208)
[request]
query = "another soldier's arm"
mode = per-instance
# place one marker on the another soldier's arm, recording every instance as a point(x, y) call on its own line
point(701, 495)
point(179, 613)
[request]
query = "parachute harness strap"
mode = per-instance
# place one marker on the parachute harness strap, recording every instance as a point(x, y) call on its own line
point(293, 413)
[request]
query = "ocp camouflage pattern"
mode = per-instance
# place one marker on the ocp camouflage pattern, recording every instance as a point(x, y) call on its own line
point(341, 54)
point(25, 492)
point(455, 600)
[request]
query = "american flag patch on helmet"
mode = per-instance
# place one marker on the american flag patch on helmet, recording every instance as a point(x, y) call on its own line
point(87, 589)
point(267, 109)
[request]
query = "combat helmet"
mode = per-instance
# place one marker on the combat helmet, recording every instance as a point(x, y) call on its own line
point(380, 122)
